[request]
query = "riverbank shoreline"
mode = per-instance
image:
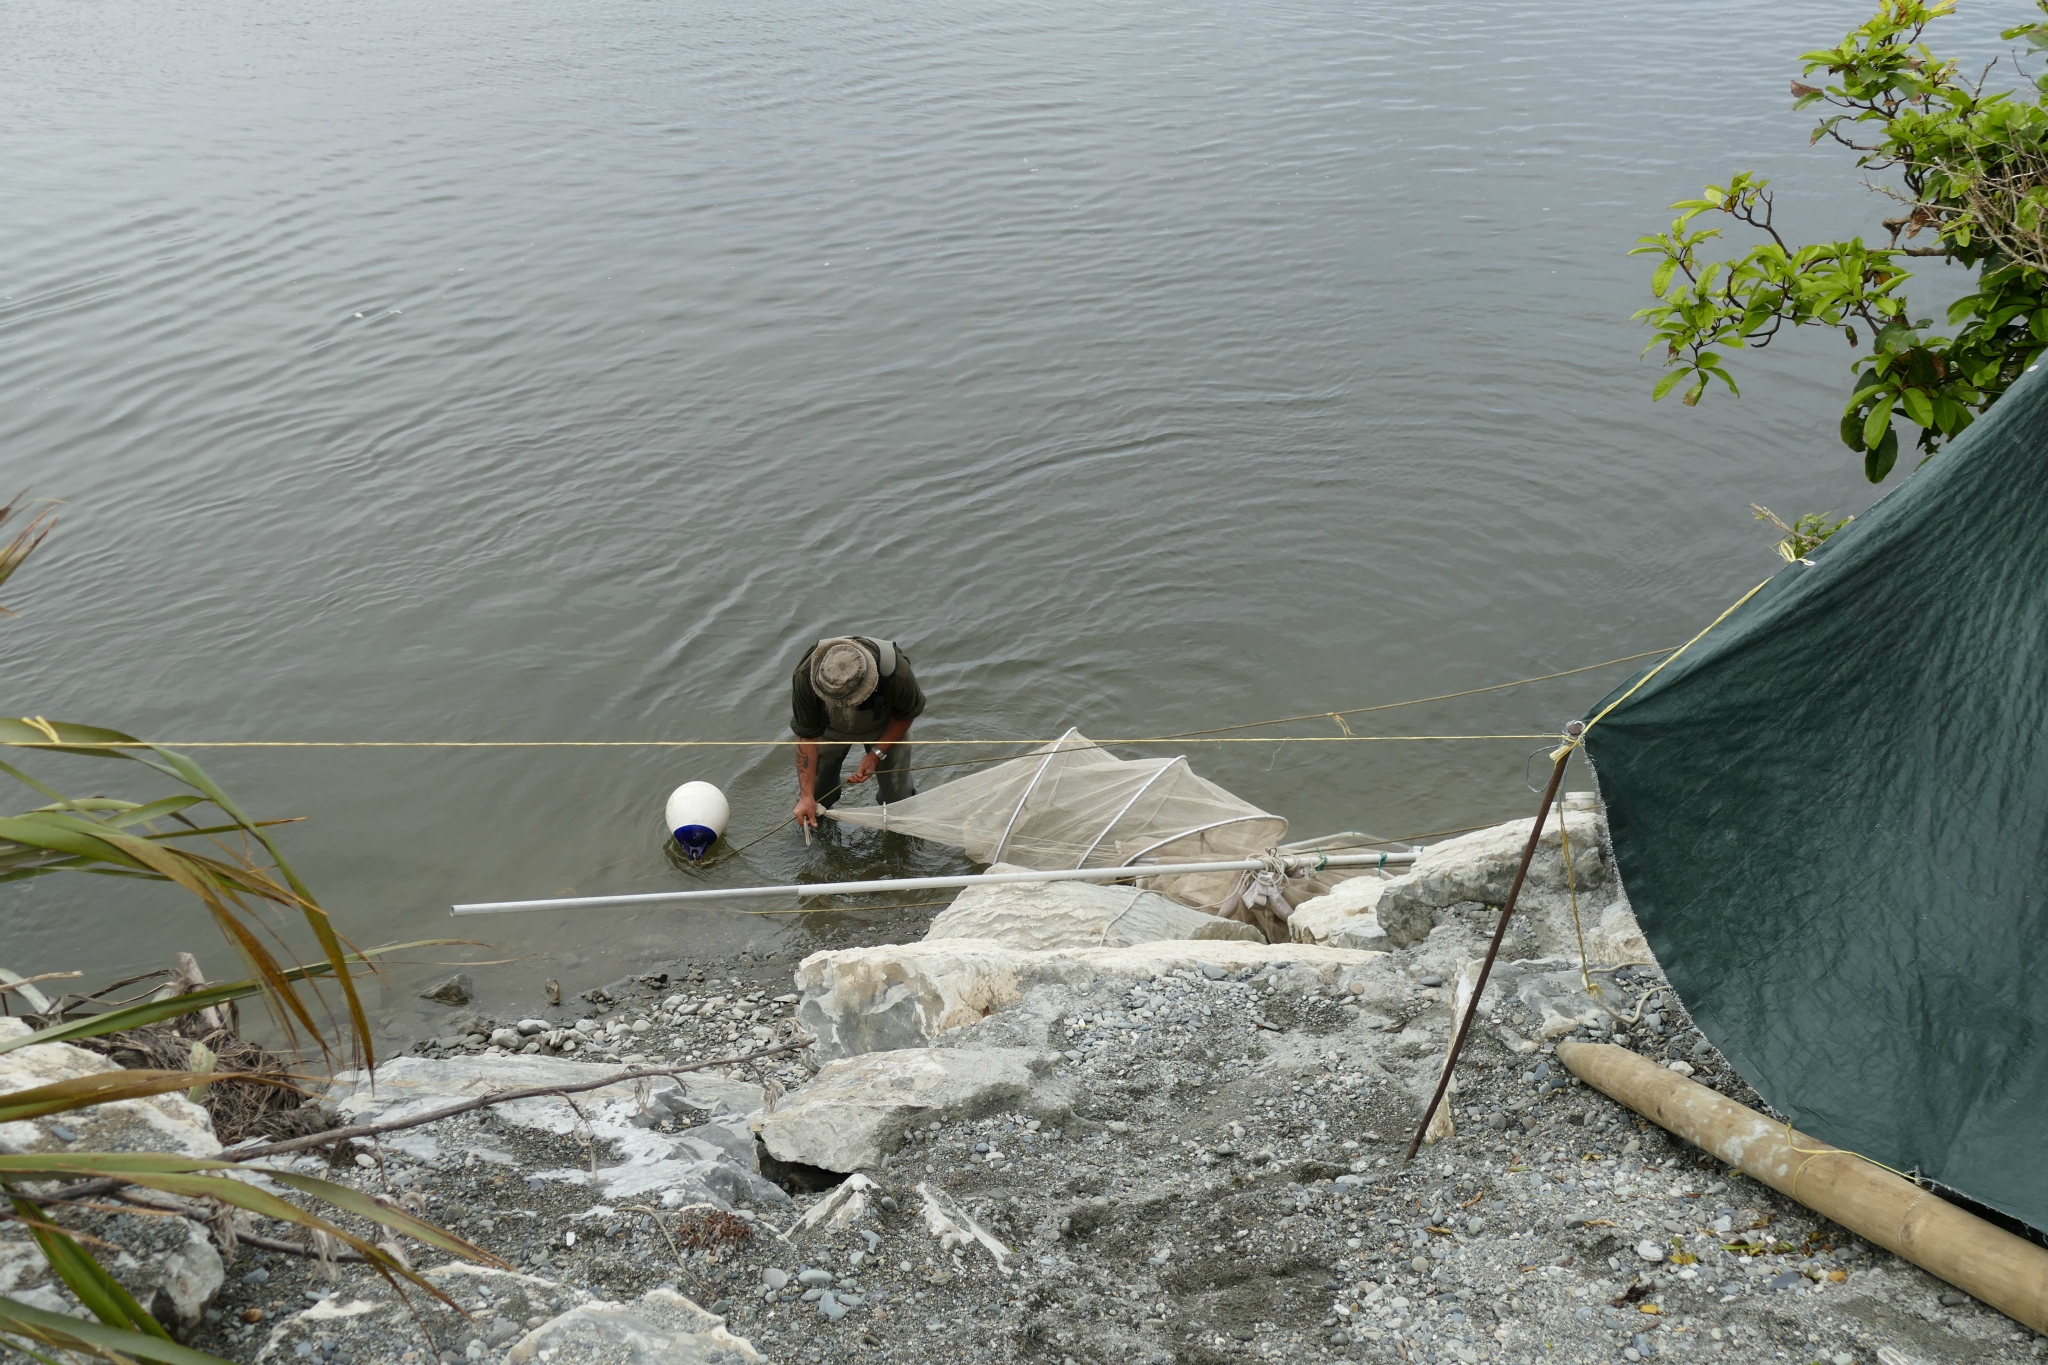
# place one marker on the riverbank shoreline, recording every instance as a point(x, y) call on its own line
point(1158, 1152)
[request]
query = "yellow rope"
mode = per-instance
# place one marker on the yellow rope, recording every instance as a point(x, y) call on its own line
point(1203, 736)
point(1418, 701)
point(690, 743)
point(1812, 1153)
point(1580, 738)
point(1571, 883)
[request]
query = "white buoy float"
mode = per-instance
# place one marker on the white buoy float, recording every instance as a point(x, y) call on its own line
point(697, 812)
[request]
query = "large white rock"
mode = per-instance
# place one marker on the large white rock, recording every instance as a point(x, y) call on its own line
point(1542, 997)
point(160, 1123)
point(1044, 915)
point(661, 1327)
point(1481, 867)
point(168, 1264)
point(903, 995)
point(1616, 939)
point(714, 1161)
point(856, 1110)
point(1346, 918)
point(364, 1326)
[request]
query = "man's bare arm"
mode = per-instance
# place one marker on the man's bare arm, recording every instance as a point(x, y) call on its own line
point(807, 783)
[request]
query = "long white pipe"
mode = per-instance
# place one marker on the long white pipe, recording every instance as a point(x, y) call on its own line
point(1302, 862)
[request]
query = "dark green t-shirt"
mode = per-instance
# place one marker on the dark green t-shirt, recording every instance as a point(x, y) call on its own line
point(896, 697)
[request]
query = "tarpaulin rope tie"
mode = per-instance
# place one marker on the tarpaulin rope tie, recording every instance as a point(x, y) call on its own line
point(1577, 738)
point(1571, 882)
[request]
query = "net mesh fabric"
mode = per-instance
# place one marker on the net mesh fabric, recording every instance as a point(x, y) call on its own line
point(1072, 803)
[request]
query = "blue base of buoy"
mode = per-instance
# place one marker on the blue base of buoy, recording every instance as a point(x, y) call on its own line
point(696, 840)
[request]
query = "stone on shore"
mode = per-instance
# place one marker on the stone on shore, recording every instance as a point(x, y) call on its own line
point(168, 1264)
point(907, 995)
point(1616, 939)
point(1345, 918)
point(456, 990)
point(1045, 915)
point(857, 1109)
point(661, 1327)
point(714, 1161)
point(1480, 867)
point(1546, 996)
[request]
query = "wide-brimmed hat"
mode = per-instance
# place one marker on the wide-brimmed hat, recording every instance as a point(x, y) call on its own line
point(844, 671)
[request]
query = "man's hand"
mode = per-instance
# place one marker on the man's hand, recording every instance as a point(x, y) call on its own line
point(806, 812)
point(869, 761)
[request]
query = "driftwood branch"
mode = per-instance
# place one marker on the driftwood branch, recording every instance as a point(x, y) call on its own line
point(363, 1130)
point(171, 1207)
point(93, 1189)
point(18, 983)
point(261, 1242)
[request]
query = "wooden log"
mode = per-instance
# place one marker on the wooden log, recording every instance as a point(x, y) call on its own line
point(1982, 1260)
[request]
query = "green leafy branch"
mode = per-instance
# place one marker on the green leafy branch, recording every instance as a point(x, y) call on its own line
point(1972, 171)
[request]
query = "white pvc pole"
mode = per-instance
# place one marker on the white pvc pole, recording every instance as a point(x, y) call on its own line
point(1296, 862)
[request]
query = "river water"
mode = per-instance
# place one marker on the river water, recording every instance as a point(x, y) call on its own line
point(521, 371)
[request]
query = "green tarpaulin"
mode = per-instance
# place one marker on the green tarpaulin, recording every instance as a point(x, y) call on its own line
point(1831, 818)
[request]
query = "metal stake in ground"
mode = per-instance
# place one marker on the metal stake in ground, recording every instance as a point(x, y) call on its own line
point(1500, 930)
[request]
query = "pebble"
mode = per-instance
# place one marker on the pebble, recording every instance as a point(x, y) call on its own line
point(1211, 970)
point(1432, 981)
point(775, 1279)
point(1649, 1250)
point(256, 1276)
point(814, 1279)
point(62, 1134)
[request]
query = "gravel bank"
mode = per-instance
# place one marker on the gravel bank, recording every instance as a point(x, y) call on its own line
point(1225, 1184)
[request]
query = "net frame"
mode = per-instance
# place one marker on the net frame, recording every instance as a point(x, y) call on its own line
point(1073, 804)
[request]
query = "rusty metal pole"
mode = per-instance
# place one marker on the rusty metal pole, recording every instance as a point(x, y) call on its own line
point(1443, 1083)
